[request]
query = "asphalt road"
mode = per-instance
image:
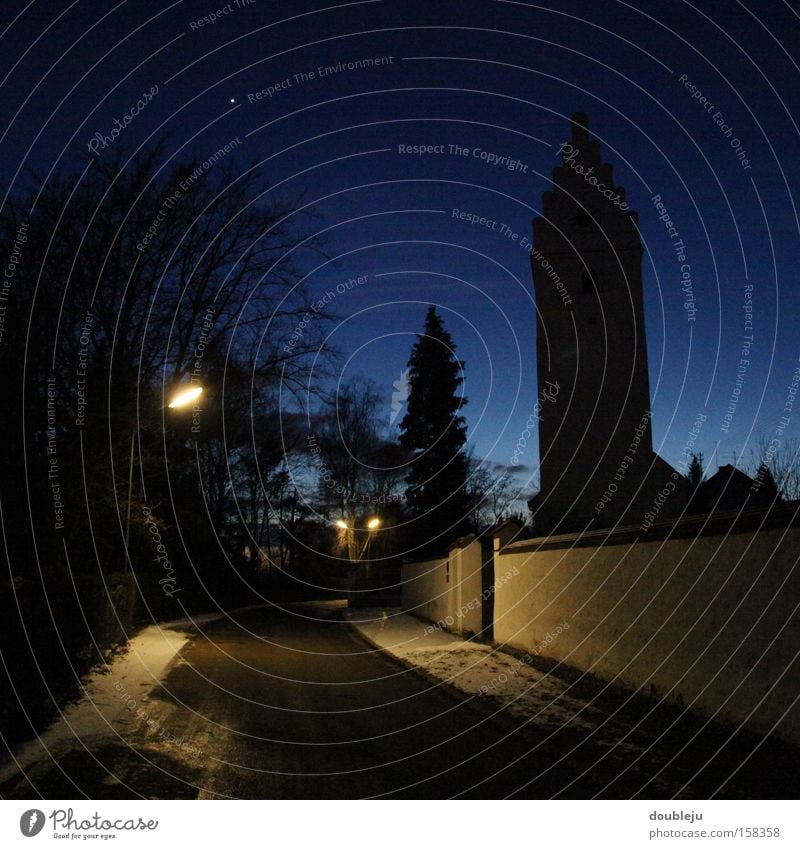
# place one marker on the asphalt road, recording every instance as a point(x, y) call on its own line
point(293, 704)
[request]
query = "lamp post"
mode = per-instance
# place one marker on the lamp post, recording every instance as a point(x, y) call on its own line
point(372, 525)
point(182, 399)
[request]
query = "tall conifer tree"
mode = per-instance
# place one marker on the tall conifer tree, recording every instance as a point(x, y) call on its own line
point(435, 433)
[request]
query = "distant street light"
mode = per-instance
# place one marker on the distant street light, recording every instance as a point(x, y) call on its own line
point(182, 399)
point(372, 525)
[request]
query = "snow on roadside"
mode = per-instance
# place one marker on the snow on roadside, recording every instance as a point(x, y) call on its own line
point(104, 710)
point(503, 681)
point(476, 669)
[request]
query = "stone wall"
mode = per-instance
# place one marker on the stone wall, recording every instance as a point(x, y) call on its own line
point(703, 612)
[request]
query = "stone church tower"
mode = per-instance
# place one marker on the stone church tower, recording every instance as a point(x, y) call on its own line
point(597, 465)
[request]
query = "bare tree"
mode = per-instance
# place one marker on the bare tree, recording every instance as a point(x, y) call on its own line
point(140, 274)
point(782, 460)
point(493, 492)
point(359, 471)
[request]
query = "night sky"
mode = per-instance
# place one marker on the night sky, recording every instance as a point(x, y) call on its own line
point(498, 78)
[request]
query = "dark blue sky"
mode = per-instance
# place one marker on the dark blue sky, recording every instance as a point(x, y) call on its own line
point(502, 77)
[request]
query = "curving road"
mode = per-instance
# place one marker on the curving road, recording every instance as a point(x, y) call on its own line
point(293, 704)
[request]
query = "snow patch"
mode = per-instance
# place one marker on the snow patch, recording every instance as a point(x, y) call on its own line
point(476, 669)
point(112, 692)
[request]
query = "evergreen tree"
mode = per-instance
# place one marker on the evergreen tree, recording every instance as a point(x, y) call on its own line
point(698, 502)
point(434, 433)
point(695, 471)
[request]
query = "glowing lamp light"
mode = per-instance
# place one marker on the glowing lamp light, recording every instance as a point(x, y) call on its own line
point(182, 399)
point(373, 523)
point(340, 523)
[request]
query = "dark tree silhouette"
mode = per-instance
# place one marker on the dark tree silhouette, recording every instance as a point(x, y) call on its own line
point(492, 491)
point(434, 433)
point(783, 465)
point(356, 465)
point(765, 484)
point(694, 475)
point(695, 471)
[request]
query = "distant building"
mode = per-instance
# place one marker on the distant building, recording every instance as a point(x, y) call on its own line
point(597, 464)
point(730, 489)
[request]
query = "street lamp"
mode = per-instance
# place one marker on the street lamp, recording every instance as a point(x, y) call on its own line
point(372, 525)
point(185, 397)
point(182, 399)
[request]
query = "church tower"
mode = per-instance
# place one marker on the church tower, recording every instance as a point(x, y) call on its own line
point(597, 466)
